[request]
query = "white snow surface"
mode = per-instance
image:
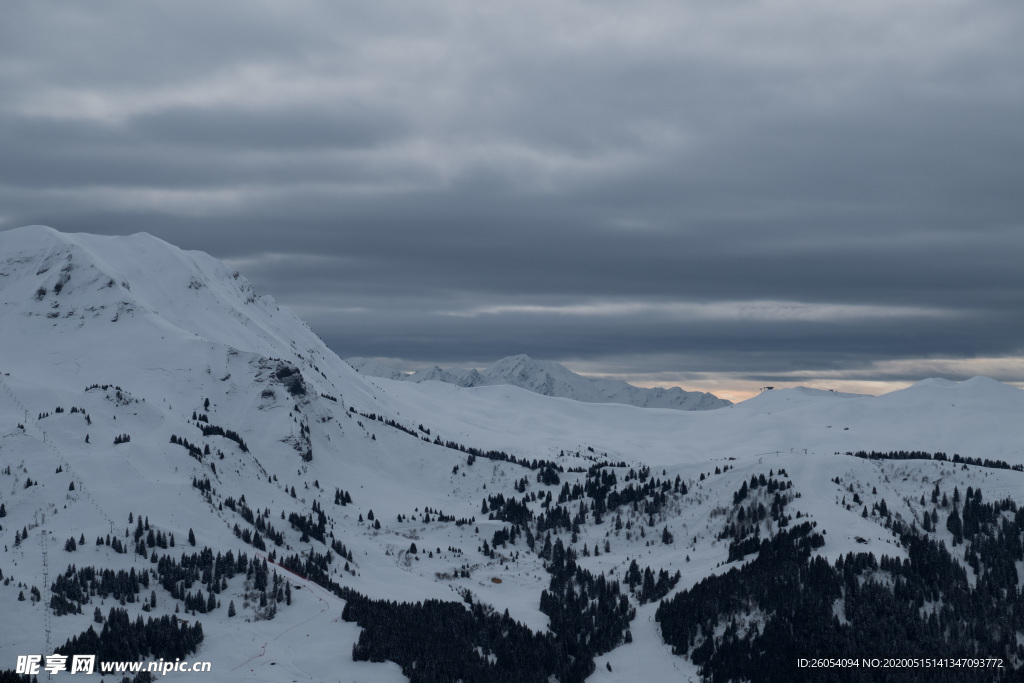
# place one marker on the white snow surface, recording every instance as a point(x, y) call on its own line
point(172, 328)
point(549, 378)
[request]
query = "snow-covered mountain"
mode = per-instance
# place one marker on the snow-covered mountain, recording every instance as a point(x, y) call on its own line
point(549, 378)
point(148, 395)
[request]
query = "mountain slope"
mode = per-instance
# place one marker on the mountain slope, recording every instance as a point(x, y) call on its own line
point(132, 337)
point(549, 378)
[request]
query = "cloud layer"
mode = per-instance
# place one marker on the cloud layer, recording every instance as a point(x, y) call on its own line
point(711, 192)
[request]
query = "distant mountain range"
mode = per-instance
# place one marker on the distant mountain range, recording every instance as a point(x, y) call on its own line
point(549, 378)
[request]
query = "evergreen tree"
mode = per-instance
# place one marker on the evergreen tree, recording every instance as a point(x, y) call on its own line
point(955, 526)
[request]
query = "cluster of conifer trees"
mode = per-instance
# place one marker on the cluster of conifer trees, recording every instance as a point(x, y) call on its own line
point(193, 450)
point(784, 605)
point(122, 639)
point(76, 586)
point(435, 641)
point(957, 459)
point(215, 430)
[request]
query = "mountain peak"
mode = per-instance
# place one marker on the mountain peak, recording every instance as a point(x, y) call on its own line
point(81, 287)
point(31, 231)
point(549, 378)
point(976, 383)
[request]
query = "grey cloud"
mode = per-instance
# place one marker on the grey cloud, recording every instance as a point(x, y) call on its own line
point(446, 158)
point(757, 347)
point(285, 129)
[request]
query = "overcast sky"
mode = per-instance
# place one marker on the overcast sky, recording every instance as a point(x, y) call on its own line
point(719, 195)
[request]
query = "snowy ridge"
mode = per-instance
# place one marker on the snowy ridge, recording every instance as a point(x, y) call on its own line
point(549, 378)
